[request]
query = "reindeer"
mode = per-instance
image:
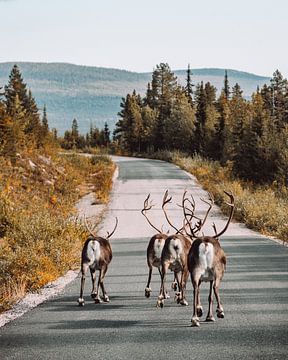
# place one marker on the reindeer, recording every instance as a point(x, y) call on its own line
point(175, 251)
point(96, 255)
point(154, 249)
point(207, 263)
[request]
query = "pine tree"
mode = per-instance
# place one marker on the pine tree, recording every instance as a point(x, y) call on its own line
point(74, 134)
point(164, 88)
point(149, 118)
point(221, 129)
point(279, 87)
point(45, 126)
point(106, 134)
point(33, 124)
point(189, 86)
point(226, 88)
point(15, 87)
point(129, 128)
point(180, 125)
point(239, 119)
point(201, 118)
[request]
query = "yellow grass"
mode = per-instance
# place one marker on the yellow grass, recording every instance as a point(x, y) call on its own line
point(263, 208)
point(37, 241)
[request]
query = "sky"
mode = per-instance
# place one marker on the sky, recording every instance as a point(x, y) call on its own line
point(247, 35)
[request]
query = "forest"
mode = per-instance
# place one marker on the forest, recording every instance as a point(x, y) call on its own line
point(250, 135)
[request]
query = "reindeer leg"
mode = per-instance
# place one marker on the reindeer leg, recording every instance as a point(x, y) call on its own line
point(97, 297)
point(93, 278)
point(177, 293)
point(199, 306)
point(84, 268)
point(184, 277)
point(166, 295)
point(161, 297)
point(195, 320)
point(102, 275)
point(210, 316)
point(219, 310)
point(148, 290)
point(174, 283)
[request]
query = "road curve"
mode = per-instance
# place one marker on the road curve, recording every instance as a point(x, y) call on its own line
point(254, 291)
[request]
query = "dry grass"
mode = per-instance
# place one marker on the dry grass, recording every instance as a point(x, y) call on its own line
point(261, 208)
point(37, 241)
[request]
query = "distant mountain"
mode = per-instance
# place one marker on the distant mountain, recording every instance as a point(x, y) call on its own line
point(93, 94)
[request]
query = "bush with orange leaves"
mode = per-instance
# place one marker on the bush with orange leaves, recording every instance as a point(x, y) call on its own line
point(38, 242)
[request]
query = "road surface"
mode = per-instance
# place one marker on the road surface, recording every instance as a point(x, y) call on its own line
point(254, 291)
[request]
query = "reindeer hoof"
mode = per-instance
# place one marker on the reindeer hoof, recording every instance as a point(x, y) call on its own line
point(177, 297)
point(195, 322)
point(199, 311)
point(147, 292)
point(220, 314)
point(81, 302)
point(106, 299)
point(210, 319)
point(174, 286)
point(98, 301)
point(183, 302)
point(167, 296)
point(160, 303)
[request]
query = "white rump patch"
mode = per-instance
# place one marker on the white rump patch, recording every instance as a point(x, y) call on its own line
point(158, 247)
point(206, 257)
point(93, 251)
point(175, 248)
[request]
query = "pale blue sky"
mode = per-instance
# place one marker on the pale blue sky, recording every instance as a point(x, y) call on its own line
point(248, 35)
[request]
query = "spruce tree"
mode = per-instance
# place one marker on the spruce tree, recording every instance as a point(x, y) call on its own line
point(45, 126)
point(200, 122)
point(164, 87)
point(179, 126)
point(189, 86)
point(279, 87)
point(226, 88)
point(74, 133)
point(106, 134)
point(15, 87)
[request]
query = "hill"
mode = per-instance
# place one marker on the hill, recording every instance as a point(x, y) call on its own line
point(93, 94)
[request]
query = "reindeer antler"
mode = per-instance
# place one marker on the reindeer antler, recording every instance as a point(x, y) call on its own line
point(110, 234)
point(88, 227)
point(91, 231)
point(148, 206)
point(232, 205)
point(167, 200)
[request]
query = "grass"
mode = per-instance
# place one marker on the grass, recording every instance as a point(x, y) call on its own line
point(38, 242)
point(262, 208)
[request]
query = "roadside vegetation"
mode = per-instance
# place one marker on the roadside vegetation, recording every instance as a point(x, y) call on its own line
point(262, 208)
point(229, 142)
point(39, 236)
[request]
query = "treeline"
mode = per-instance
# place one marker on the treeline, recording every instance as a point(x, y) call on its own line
point(250, 134)
point(22, 128)
point(95, 138)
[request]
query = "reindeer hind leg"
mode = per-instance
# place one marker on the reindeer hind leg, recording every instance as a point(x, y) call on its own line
point(84, 268)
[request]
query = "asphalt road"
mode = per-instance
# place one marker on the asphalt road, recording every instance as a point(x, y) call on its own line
point(254, 291)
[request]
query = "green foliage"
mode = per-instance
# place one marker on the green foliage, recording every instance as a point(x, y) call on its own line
point(262, 208)
point(93, 93)
point(21, 128)
point(250, 135)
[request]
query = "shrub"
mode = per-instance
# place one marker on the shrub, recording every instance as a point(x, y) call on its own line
point(38, 242)
point(260, 207)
